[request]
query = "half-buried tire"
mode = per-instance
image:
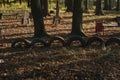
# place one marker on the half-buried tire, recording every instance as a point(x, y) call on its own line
point(37, 42)
point(20, 43)
point(57, 41)
point(114, 41)
point(95, 42)
point(76, 41)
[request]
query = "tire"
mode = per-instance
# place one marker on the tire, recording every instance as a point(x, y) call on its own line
point(112, 40)
point(38, 40)
point(18, 43)
point(95, 39)
point(59, 38)
point(76, 38)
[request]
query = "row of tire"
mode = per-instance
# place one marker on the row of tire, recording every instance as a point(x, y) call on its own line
point(80, 41)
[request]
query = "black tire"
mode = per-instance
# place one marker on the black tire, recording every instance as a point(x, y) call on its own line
point(95, 39)
point(76, 38)
point(38, 40)
point(59, 38)
point(20, 43)
point(112, 40)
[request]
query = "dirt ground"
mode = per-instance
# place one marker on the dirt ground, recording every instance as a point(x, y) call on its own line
point(58, 63)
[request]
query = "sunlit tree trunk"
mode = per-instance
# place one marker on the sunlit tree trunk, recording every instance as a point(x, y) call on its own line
point(39, 28)
point(77, 18)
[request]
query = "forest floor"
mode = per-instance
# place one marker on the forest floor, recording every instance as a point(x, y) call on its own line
point(59, 63)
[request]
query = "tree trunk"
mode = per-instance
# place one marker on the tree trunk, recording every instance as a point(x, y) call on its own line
point(118, 5)
point(98, 10)
point(69, 5)
point(113, 4)
point(77, 18)
point(28, 3)
point(106, 5)
point(45, 7)
point(110, 5)
point(86, 6)
point(20, 1)
point(39, 28)
point(3, 2)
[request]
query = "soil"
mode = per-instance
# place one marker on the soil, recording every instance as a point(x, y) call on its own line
point(58, 63)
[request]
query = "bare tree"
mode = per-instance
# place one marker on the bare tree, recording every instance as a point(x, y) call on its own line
point(77, 18)
point(98, 10)
point(106, 4)
point(45, 7)
point(39, 27)
point(86, 6)
point(69, 5)
point(118, 5)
